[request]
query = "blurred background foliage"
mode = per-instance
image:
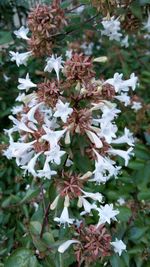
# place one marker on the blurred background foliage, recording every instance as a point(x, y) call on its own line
point(20, 220)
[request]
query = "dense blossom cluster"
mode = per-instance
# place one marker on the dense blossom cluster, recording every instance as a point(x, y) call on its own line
point(59, 110)
point(52, 116)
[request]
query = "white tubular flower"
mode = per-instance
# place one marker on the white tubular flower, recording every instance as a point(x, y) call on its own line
point(29, 99)
point(126, 138)
point(147, 24)
point(54, 203)
point(62, 110)
point(136, 106)
point(124, 42)
point(63, 247)
point(94, 139)
point(46, 172)
point(54, 155)
point(86, 205)
point(121, 201)
point(52, 136)
point(64, 218)
point(55, 63)
point(95, 196)
point(30, 167)
point(104, 169)
point(108, 131)
point(107, 213)
point(123, 154)
point(118, 246)
point(110, 113)
point(22, 33)
point(17, 109)
point(132, 82)
point(69, 54)
point(21, 59)
point(121, 85)
point(18, 149)
point(20, 125)
point(111, 28)
point(31, 113)
point(124, 98)
point(26, 84)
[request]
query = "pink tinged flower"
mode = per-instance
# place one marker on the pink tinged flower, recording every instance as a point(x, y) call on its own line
point(55, 63)
point(46, 172)
point(26, 84)
point(31, 113)
point(22, 33)
point(20, 125)
point(124, 98)
point(20, 58)
point(94, 139)
point(30, 167)
point(63, 247)
point(54, 155)
point(64, 218)
point(52, 137)
point(107, 213)
point(62, 110)
point(123, 154)
point(136, 106)
point(118, 246)
point(126, 138)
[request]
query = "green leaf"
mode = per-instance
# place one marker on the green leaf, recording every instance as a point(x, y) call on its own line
point(48, 238)
point(35, 227)
point(136, 233)
point(22, 258)
point(144, 195)
point(124, 214)
point(116, 261)
point(31, 193)
point(5, 37)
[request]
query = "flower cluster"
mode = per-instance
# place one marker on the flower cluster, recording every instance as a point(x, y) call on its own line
point(51, 117)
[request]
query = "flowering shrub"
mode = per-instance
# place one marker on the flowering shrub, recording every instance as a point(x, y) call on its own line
point(67, 139)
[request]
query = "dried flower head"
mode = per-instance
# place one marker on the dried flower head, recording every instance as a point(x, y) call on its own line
point(95, 244)
point(44, 22)
point(79, 68)
point(48, 92)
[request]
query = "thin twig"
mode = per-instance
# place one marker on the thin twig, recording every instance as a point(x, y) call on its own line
point(70, 10)
point(45, 219)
